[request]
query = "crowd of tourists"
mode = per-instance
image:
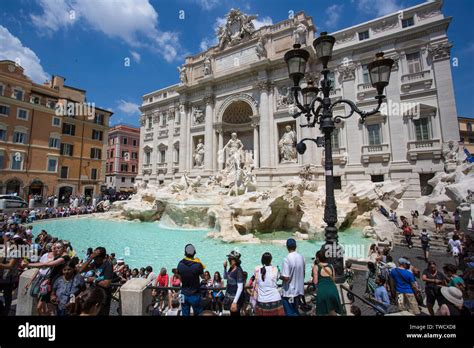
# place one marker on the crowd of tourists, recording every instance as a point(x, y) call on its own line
point(405, 287)
point(67, 284)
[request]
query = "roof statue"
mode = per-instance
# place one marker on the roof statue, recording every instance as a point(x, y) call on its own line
point(237, 29)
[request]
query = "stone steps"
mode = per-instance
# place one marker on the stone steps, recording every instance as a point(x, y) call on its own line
point(438, 244)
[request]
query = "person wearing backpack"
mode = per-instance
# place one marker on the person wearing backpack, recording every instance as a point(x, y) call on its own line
point(425, 239)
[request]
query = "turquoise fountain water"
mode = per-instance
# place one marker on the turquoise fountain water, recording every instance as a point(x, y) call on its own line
point(143, 244)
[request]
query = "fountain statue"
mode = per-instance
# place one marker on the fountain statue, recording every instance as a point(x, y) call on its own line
point(235, 147)
point(287, 145)
point(199, 154)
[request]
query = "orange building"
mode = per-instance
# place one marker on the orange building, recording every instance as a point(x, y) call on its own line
point(466, 134)
point(51, 140)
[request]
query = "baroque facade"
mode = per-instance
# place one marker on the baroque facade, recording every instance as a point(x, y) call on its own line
point(242, 86)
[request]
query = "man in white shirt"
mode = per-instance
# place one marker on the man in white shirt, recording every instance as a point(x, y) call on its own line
point(292, 274)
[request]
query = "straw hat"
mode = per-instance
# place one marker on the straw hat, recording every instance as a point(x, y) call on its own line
point(453, 295)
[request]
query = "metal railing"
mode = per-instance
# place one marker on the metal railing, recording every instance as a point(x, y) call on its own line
point(365, 301)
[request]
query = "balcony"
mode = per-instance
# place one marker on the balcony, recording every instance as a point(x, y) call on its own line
point(163, 133)
point(424, 148)
point(335, 93)
point(365, 91)
point(339, 156)
point(375, 153)
point(417, 81)
point(147, 172)
point(161, 165)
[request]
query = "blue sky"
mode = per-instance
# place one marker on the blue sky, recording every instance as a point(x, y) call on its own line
point(88, 41)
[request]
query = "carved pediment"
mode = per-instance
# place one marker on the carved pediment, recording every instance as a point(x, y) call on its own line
point(237, 29)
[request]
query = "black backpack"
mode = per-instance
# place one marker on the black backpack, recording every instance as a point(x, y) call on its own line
point(424, 239)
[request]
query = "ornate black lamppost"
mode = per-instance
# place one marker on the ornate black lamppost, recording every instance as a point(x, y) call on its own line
point(379, 71)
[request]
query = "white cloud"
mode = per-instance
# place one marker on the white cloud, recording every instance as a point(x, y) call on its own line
point(258, 23)
point(208, 42)
point(128, 108)
point(134, 22)
point(136, 56)
point(333, 15)
point(207, 4)
point(378, 8)
point(11, 48)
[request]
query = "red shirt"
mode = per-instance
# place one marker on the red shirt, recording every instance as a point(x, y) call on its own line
point(162, 280)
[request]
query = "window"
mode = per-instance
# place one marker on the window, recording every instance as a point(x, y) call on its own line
point(414, 62)
point(96, 153)
point(363, 35)
point(19, 137)
point(134, 155)
point(56, 122)
point(112, 153)
point(17, 161)
point(54, 142)
point(471, 140)
point(422, 129)
point(365, 74)
point(123, 179)
point(124, 168)
point(99, 119)
point(67, 149)
point(64, 172)
point(147, 158)
point(335, 139)
point(377, 178)
point(165, 94)
point(35, 99)
point(3, 133)
point(18, 94)
point(162, 156)
point(4, 110)
point(97, 135)
point(469, 127)
point(69, 129)
point(1, 89)
point(51, 104)
point(132, 180)
point(2, 159)
point(22, 114)
point(52, 164)
point(125, 155)
point(124, 141)
point(134, 169)
point(150, 99)
point(373, 131)
point(134, 142)
point(408, 22)
point(94, 174)
point(150, 122)
point(337, 182)
point(163, 120)
point(111, 167)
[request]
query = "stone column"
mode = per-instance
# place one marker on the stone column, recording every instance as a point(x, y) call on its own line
point(397, 137)
point(209, 136)
point(265, 131)
point(183, 138)
point(273, 135)
point(440, 54)
point(189, 145)
point(354, 130)
point(169, 150)
point(256, 147)
point(220, 159)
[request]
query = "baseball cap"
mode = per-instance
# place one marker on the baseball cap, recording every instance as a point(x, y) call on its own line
point(403, 261)
point(189, 250)
point(291, 243)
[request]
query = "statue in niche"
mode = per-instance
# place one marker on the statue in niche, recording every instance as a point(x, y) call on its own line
point(299, 34)
point(198, 116)
point(260, 48)
point(199, 154)
point(235, 147)
point(287, 145)
point(207, 66)
point(182, 74)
